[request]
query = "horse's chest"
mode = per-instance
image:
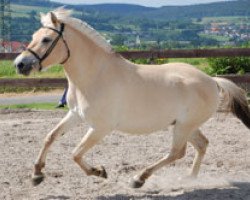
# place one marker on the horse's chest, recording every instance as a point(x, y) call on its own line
point(91, 112)
point(78, 105)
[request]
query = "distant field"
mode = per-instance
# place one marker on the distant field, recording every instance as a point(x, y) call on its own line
point(23, 11)
point(229, 19)
point(216, 37)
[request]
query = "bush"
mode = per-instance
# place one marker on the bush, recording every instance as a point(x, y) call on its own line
point(229, 65)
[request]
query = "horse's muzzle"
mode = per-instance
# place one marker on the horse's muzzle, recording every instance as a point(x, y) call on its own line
point(24, 64)
point(23, 69)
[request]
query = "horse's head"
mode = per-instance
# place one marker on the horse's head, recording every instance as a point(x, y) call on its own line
point(47, 47)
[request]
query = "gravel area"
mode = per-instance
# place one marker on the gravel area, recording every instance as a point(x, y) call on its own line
point(225, 171)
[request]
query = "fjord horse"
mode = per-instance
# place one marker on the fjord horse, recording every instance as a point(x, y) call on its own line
point(111, 93)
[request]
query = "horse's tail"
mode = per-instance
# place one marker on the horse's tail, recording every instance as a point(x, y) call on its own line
point(235, 100)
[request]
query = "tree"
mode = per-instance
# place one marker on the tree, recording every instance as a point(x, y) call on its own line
point(118, 39)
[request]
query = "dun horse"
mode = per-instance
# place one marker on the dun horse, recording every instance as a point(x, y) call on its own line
point(111, 93)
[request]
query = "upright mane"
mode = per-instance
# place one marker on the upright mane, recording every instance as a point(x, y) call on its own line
point(64, 16)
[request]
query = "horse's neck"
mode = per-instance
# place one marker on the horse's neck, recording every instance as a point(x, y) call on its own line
point(88, 61)
point(85, 56)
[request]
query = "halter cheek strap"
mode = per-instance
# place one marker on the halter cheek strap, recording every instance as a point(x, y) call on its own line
point(52, 46)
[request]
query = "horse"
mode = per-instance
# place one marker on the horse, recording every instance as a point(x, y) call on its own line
point(111, 93)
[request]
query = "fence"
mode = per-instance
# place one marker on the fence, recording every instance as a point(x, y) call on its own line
point(189, 53)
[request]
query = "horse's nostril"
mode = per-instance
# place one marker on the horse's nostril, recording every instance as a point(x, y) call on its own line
point(20, 65)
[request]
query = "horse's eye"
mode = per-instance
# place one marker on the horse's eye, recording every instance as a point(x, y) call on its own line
point(46, 40)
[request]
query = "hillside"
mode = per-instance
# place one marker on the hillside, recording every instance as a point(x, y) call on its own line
point(121, 9)
point(165, 27)
point(228, 8)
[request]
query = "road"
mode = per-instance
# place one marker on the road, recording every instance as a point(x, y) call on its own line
point(27, 99)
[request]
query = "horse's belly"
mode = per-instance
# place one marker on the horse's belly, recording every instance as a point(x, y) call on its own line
point(149, 113)
point(145, 124)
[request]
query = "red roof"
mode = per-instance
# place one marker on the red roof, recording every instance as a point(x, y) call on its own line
point(15, 45)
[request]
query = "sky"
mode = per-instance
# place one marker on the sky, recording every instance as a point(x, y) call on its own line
point(152, 3)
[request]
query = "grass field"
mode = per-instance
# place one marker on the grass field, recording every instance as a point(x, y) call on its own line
point(37, 106)
point(216, 37)
point(23, 10)
point(226, 19)
point(7, 70)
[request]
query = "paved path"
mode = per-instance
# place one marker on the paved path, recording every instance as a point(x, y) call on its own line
point(44, 98)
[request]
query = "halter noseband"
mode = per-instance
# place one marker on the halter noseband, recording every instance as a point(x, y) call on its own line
point(50, 49)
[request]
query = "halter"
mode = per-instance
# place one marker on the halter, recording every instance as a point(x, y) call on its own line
point(50, 49)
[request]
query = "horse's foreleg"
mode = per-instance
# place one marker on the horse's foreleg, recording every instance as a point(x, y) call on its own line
point(200, 143)
point(91, 138)
point(67, 122)
point(178, 151)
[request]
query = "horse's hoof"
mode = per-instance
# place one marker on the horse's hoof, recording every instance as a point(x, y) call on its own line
point(136, 183)
point(103, 172)
point(100, 172)
point(37, 179)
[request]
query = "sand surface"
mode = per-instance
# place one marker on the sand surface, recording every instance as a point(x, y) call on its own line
point(225, 171)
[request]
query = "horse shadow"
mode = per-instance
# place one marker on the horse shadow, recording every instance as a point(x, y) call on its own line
point(53, 197)
point(239, 190)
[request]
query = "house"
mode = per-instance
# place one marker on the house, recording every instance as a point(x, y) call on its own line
point(12, 46)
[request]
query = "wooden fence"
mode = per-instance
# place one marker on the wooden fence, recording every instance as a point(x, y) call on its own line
point(180, 53)
point(189, 53)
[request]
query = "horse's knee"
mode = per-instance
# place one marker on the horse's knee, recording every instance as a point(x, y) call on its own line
point(183, 152)
point(200, 142)
point(202, 145)
point(204, 148)
point(76, 157)
point(177, 154)
point(49, 139)
point(206, 141)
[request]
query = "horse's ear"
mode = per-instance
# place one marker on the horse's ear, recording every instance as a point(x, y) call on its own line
point(53, 17)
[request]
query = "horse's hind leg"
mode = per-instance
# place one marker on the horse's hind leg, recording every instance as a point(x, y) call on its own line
point(91, 138)
point(178, 150)
point(67, 122)
point(200, 143)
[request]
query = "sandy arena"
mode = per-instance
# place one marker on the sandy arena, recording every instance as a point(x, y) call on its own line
point(224, 175)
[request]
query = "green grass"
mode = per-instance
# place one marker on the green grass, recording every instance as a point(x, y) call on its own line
point(19, 90)
point(7, 70)
point(227, 19)
point(200, 63)
point(219, 38)
point(34, 106)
